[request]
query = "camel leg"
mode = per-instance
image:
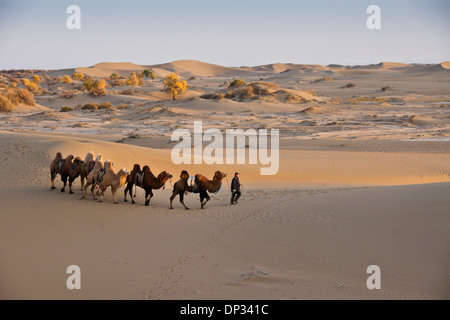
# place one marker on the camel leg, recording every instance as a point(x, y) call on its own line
point(182, 200)
point(82, 183)
point(125, 193)
point(147, 194)
point(131, 193)
point(151, 195)
point(101, 192)
point(64, 180)
point(174, 194)
point(204, 196)
point(113, 191)
point(85, 187)
point(92, 191)
point(52, 177)
point(70, 185)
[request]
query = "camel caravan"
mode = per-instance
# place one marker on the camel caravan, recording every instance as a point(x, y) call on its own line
point(100, 175)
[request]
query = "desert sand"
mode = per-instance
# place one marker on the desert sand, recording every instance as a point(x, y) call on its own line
point(364, 179)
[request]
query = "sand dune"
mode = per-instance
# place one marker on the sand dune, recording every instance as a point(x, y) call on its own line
point(363, 179)
point(189, 68)
point(293, 236)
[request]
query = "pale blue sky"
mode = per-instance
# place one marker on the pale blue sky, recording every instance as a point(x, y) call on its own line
point(33, 33)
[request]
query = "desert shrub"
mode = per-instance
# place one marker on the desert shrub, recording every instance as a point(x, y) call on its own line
point(126, 92)
point(213, 96)
point(384, 89)
point(78, 76)
point(66, 109)
point(89, 106)
point(36, 79)
point(34, 88)
point(66, 79)
point(105, 105)
point(117, 83)
point(17, 96)
point(148, 74)
point(88, 84)
point(237, 83)
point(173, 85)
point(192, 78)
point(134, 80)
point(99, 91)
point(5, 104)
point(231, 94)
point(114, 76)
point(350, 85)
point(66, 94)
point(122, 106)
point(246, 92)
point(96, 87)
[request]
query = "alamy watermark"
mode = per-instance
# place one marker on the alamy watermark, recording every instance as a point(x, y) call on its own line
point(373, 22)
point(73, 22)
point(221, 150)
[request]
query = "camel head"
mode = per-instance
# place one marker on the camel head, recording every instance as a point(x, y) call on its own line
point(146, 169)
point(89, 156)
point(109, 164)
point(184, 174)
point(165, 176)
point(99, 157)
point(136, 168)
point(219, 175)
point(69, 157)
point(58, 155)
point(123, 174)
point(78, 161)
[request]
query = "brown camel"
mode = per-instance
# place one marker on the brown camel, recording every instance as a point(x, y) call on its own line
point(204, 186)
point(110, 178)
point(180, 188)
point(92, 176)
point(150, 182)
point(68, 168)
point(131, 181)
point(87, 167)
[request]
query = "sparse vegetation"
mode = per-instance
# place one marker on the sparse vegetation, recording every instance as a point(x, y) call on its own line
point(67, 94)
point(173, 85)
point(66, 79)
point(17, 96)
point(350, 85)
point(117, 83)
point(90, 106)
point(36, 79)
point(96, 88)
point(149, 74)
point(384, 89)
point(5, 104)
point(78, 76)
point(114, 76)
point(237, 83)
point(133, 81)
point(105, 105)
point(66, 109)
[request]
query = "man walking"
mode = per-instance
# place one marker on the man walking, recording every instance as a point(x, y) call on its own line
point(235, 189)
